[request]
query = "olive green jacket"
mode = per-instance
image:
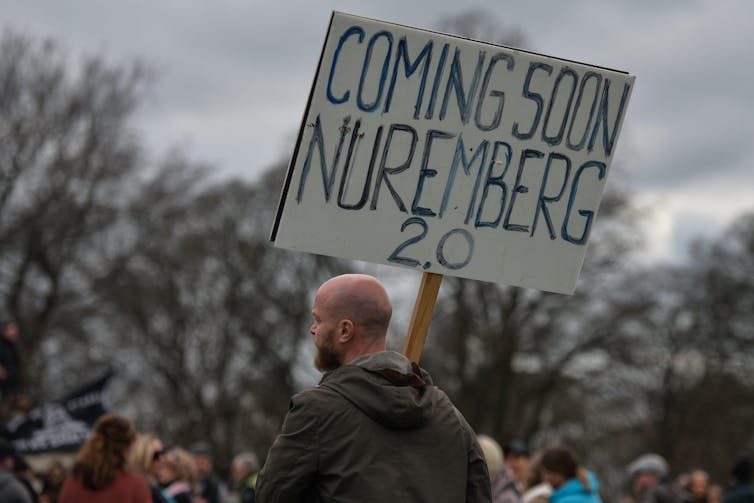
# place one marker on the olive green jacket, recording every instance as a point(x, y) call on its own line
point(375, 430)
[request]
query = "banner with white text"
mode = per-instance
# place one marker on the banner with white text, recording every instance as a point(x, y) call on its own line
point(59, 425)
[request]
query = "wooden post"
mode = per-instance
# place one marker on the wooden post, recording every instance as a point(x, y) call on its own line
point(422, 316)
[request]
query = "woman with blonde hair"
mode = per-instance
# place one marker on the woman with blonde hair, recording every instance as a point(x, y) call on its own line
point(99, 473)
point(145, 459)
point(177, 475)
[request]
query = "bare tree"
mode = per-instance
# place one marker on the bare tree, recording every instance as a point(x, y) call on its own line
point(209, 316)
point(66, 157)
point(482, 25)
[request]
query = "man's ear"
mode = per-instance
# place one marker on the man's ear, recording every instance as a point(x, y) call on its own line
point(345, 330)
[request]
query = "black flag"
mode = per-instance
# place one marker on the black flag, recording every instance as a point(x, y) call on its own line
point(59, 425)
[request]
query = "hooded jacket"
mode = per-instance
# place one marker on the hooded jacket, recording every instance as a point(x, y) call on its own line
point(574, 491)
point(375, 430)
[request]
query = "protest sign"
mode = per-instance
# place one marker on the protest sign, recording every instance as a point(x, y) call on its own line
point(451, 156)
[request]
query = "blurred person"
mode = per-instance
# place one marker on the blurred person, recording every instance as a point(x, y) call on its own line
point(145, 459)
point(570, 482)
point(715, 494)
point(12, 490)
point(375, 428)
point(504, 487)
point(209, 488)
point(649, 480)
point(25, 475)
point(52, 482)
point(99, 473)
point(536, 489)
point(516, 456)
point(177, 476)
point(245, 467)
point(697, 486)
point(10, 369)
point(741, 488)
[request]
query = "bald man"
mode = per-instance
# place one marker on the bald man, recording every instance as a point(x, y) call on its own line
point(375, 429)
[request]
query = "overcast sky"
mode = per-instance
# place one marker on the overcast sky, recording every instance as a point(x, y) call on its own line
point(234, 76)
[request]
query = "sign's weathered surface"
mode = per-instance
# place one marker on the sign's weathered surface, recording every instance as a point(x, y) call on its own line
point(443, 154)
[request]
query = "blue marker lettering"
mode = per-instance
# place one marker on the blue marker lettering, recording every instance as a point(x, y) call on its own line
point(556, 139)
point(587, 77)
point(543, 200)
point(601, 169)
point(535, 97)
point(494, 180)
point(408, 70)
point(383, 73)
point(354, 30)
point(519, 189)
point(426, 171)
point(384, 171)
point(496, 93)
point(607, 143)
point(455, 82)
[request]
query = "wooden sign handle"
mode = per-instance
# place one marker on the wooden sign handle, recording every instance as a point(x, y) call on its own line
point(422, 316)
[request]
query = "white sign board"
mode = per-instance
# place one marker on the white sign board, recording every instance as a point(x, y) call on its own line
point(452, 156)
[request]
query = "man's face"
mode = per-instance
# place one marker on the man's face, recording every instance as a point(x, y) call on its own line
point(203, 465)
point(10, 332)
point(643, 481)
point(698, 486)
point(324, 330)
point(518, 465)
point(239, 473)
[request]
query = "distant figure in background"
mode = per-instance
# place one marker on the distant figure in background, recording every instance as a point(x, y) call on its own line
point(715, 494)
point(516, 456)
point(100, 474)
point(741, 489)
point(145, 459)
point(649, 480)
point(10, 369)
point(570, 483)
point(536, 489)
point(245, 467)
point(698, 485)
point(504, 487)
point(11, 489)
point(209, 489)
point(52, 482)
point(177, 476)
point(25, 475)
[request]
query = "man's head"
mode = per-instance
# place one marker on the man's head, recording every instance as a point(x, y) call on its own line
point(7, 452)
point(699, 484)
point(517, 459)
point(202, 459)
point(243, 466)
point(351, 317)
point(742, 471)
point(559, 464)
point(9, 331)
point(647, 471)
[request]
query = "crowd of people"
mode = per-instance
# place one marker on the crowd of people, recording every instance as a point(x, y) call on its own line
point(554, 475)
point(119, 464)
point(375, 429)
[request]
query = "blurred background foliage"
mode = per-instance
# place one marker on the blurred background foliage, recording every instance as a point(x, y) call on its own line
point(164, 273)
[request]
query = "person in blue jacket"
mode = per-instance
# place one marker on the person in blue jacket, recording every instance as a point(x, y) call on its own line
point(571, 484)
